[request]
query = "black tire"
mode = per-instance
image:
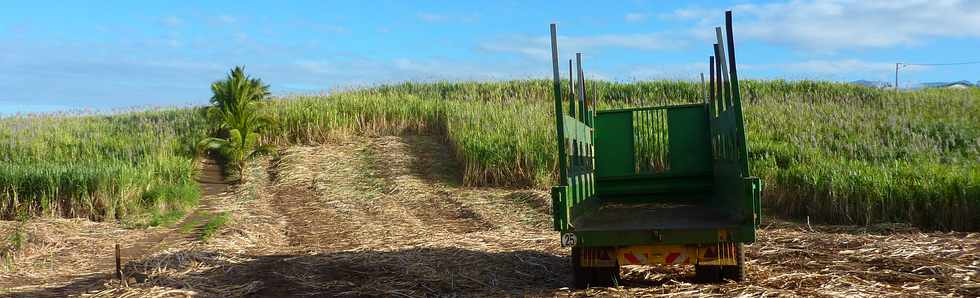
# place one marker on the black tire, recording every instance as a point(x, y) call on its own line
point(581, 276)
point(605, 276)
point(737, 272)
point(584, 277)
point(707, 273)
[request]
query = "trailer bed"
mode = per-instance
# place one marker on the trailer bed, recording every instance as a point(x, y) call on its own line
point(618, 216)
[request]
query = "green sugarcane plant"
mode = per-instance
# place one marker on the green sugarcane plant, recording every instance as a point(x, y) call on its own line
point(235, 108)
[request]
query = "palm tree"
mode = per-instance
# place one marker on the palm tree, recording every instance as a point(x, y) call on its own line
point(235, 101)
point(235, 110)
point(238, 149)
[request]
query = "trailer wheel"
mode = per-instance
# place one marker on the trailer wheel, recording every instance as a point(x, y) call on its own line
point(584, 277)
point(606, 276)
point(737, 272)
point(581, 276)
point(707, 273)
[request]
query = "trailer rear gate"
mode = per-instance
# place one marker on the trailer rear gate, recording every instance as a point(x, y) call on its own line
point(655, 185)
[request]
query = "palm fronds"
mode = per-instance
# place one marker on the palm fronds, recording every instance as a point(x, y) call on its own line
point(236, 102)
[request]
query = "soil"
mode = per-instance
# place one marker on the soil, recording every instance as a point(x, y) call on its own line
point(387, 216)
point(84, 257)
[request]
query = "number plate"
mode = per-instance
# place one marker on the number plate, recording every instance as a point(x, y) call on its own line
point(568, 240)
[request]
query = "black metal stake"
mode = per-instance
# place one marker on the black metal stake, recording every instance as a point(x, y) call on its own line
point(118, 264)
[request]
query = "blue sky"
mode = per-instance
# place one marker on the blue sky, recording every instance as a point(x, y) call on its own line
point(114, 54)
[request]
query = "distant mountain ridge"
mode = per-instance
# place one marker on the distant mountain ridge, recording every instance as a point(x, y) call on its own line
point(882, 84)
point(963, 83)
point(873, 84)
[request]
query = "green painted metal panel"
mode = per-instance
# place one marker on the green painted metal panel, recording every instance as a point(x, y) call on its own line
point(578, 188)
point(732, 189)
point(576, 130)
point(689, 140)
point(557, 208)
point(754, 190)
point(614, 144)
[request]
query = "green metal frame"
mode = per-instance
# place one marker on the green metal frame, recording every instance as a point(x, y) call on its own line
point(656, 152)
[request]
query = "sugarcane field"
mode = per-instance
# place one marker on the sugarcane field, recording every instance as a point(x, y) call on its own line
point(490, 149)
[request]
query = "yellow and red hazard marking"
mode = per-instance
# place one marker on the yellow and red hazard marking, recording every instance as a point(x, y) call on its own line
point(632, 258)
point(676, 258)
point(712, 254)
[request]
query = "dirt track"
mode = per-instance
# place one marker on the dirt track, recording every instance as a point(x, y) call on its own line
point(70, 256)
point(387, 217)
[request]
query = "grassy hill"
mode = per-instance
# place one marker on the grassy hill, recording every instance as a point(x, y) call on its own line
point(134, 166)
point(833, 152)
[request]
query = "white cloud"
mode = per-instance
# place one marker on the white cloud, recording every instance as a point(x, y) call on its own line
point(835, 67)
point(540, 47)
point(842, 69)
point(635, 17)
point(829, 25)
point(366, 71)
point(632, 41)
point(689, 13)
point(821, 69)
point(537, 48)
point(434, 68)
point(652, 71)
point(446, 69)
point(825, 69)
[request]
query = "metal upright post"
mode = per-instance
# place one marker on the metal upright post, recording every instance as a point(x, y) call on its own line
point(712, 106)
point(593, 105)
point(736, 95)
point(704, 89)
point(571, 89)
point(722, 109)
point(589, 101)
point(559, 125)
point(573, 162)
point(723, 76)
point(719, 80)
point(581, 86)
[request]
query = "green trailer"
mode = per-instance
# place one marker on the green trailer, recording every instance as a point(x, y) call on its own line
point(655, 185)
